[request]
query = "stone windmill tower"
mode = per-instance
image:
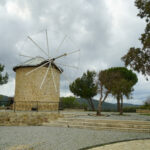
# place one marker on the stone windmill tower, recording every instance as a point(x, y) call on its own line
point(38, 82)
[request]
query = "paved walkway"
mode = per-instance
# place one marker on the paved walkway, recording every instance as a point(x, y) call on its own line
point(130, 145)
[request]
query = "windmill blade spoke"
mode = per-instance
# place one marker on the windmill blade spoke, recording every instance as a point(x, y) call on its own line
point(45, 75)
point(25, 56)
point(67, 65)
point(36, 68)
point(47, 43)
point(73, 52)
point(66, 54)
point(61, 43)
point(36, 45)
point(53, 78)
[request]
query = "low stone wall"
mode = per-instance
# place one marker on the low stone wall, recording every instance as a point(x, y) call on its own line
point(27, 118)
point(25, 105)
point(146, 111)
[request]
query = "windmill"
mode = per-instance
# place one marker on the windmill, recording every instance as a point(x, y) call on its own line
point(37, 79)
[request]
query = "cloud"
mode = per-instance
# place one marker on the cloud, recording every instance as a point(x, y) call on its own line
point(103, 30)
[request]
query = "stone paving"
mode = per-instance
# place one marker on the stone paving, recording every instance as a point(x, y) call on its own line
point(130, 145)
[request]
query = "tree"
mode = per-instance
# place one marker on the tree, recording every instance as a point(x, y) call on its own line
point(147, 100)
point(139, 58)
point(3, 78)
point(146, 104)
point(118, 81)
point(103, 78)
point(85, 87)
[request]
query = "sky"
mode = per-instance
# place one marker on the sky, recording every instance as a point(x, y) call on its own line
point(102, 30)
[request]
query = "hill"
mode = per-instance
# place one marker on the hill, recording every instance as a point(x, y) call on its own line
point(105, 105)
point(5, 100)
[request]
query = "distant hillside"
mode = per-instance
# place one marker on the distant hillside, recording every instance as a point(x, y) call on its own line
point(105, 106)
point(4, 100)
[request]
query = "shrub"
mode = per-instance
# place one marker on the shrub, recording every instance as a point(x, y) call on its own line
point(145, 106)
point(71, 102)
point(130, 109)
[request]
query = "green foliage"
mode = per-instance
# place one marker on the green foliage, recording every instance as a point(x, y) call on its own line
point(85, 86)
point(122, 81)
point(145, 106)
point(139, 58)
point(130, 109)
point(125, 73)
point(71, 102)
point(3, 79)
point(84, 106)
point(144, 9)
point(147, 102)
point(118, 80)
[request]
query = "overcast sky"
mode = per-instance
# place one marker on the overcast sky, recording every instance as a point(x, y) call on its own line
point(103, 30)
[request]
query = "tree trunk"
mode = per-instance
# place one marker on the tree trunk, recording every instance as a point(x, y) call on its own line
point(101, 100)
point(92, 105)
point(118, 104)
point(89, 103)
point(121, 108)
point(99, 110)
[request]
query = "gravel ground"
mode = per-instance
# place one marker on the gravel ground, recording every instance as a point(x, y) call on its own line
point(109, 115)
point(56, 138)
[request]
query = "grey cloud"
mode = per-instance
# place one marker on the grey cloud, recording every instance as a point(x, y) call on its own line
point(90, 24)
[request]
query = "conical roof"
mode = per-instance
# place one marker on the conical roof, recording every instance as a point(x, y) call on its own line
point(35, 62)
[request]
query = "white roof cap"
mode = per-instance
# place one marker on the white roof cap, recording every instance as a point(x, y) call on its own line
point(36, 61)
point(33, 61)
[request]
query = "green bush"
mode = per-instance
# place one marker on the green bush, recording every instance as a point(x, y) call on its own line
point(130, 109)
point(108, 110)
point(145, 106)
point(71, 102)
point(68, 102)
point(84, 106)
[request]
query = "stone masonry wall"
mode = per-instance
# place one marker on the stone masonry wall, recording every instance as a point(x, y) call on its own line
point(40, 106)
point(28, 90)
